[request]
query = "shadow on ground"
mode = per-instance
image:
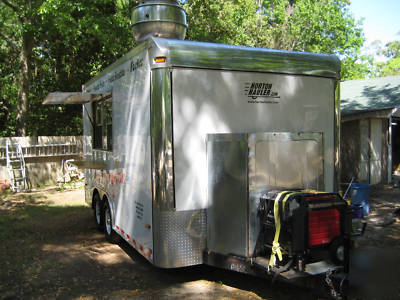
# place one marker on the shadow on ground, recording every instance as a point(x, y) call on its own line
point(50, 249)
point(375, 272)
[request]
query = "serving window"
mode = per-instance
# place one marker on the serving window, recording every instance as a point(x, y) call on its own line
point(102, 125)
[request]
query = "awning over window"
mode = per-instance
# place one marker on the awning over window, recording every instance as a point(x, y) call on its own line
point(73, 98)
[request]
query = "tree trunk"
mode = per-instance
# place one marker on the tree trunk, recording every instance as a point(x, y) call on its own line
point(23, 83)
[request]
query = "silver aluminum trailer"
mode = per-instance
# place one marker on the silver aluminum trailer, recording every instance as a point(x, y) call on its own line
point(186, 144)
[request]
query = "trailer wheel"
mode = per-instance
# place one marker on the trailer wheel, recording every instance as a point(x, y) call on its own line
point(111, 235)
point(98, 212)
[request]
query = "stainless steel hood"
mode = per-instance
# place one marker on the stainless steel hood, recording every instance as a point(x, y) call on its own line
point(159, 18)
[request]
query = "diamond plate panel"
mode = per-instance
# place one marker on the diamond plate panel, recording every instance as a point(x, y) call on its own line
point(179, 238)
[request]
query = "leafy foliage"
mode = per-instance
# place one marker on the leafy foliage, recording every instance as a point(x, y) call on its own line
point(8, 67)
point(56, 45)
point(324, 26)
point(221, 21)
point(70, 43)
point(358, 67)
point(392, 65)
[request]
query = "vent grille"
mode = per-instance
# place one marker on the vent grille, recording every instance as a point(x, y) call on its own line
point(324, 226)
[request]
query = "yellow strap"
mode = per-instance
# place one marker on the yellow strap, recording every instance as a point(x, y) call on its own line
point(276, 249)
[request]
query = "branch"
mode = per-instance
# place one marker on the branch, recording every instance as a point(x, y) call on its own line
point(13, 7)
point(8, 41)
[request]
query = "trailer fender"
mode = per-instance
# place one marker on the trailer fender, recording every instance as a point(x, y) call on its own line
point(94, 193)
point(106, 199)
point(97, 206)
point(102, 195)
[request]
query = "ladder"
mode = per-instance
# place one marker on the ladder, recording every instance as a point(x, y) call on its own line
point(16, 167)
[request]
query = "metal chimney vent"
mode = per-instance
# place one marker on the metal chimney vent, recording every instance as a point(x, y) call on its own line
point(160, 18)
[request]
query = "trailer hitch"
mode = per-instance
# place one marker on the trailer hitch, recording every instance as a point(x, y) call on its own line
point(329, 282)
point(339, 292)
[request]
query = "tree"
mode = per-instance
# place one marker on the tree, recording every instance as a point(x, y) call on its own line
point(325, 26)
point(26, 19)
point(85, 38)
point(222, 21)
point(392, 65)
point(8, 89)
point(50, 45)
point(358, 67)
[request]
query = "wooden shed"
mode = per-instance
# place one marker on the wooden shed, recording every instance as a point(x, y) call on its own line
point(370, 131)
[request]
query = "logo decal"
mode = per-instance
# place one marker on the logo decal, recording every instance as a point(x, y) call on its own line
point(255, 90)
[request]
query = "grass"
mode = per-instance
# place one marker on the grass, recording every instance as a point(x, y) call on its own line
point(74, 184)
point(26, 221)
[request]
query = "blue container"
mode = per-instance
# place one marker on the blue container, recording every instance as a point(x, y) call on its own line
point(358, 211)
point(359, 194)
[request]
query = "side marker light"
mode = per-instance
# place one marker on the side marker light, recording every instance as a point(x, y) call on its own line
point(160, 59)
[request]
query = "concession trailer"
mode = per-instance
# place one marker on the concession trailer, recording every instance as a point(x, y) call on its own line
point(202, 153)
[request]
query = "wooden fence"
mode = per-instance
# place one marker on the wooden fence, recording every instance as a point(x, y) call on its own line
point(44, 156)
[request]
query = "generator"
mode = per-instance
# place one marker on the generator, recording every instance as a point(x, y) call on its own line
point(299, 229)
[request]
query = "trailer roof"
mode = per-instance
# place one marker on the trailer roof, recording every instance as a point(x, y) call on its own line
point(219, 56)
point(181, 53)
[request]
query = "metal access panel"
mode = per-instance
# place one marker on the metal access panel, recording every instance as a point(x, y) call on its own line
point(227, 213)
point(222, 102)
point(286, 160)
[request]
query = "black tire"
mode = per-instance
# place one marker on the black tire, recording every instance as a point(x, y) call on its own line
point(111, 236)
point(98, 212)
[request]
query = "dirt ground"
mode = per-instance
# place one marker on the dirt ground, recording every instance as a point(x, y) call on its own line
point(375, 269)
point(49, 248)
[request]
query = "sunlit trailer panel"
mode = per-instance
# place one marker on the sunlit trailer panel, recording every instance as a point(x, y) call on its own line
point(198, 152)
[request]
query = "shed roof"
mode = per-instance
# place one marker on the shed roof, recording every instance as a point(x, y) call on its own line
point(364, 95)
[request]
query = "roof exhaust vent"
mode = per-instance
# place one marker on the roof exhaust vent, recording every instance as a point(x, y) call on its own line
point(159, 18)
